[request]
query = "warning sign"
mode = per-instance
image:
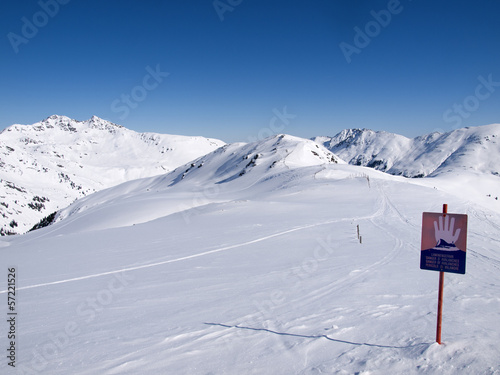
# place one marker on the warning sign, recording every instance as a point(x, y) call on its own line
point(444, 242)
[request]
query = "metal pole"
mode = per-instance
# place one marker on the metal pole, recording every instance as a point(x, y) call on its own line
point(440, 308)
point(440, 295)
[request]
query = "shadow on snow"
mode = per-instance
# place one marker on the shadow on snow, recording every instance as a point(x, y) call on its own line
point(426, 344)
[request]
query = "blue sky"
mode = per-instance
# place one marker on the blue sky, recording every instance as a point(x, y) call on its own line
point(238, 70)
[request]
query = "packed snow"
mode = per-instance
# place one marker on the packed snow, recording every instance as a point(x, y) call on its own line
point(247, 261)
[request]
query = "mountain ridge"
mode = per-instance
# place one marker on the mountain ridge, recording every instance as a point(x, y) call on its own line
point(234, 170)
point(471, 148)
point(46, 166)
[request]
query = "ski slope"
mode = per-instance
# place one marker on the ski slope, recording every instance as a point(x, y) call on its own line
point(207, 270)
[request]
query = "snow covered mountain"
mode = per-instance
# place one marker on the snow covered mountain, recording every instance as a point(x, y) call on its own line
point(274, 257)
point(267, 165)
point(474, 149)
point(47, 165)
point(259, 158)
point(247, 261)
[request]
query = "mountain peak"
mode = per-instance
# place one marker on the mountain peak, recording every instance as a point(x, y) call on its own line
point(47, 165)
point(472, 148)
point(57, 118)
point(54, 120)
point(99, 123)
point(259, 159)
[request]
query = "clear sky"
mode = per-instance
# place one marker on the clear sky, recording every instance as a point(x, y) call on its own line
point(242, 69)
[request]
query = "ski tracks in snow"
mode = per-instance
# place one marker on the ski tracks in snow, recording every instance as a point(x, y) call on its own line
point(384, 210)
point(381, 210)
point(192, 256)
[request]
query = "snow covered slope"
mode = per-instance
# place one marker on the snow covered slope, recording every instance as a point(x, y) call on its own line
point(474, 149)
point(247, 261)
point(266, 165)
point(47, 165)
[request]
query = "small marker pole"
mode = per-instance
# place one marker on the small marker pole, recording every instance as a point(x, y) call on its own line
point(440, 295)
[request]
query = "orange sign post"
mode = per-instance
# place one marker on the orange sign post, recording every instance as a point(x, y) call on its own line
point(444, 244)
